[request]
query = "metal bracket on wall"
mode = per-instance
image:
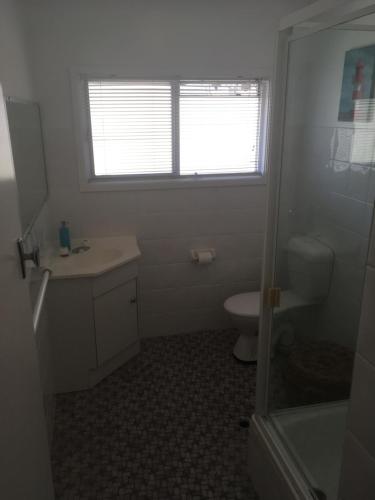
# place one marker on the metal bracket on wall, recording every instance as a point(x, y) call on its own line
point(25, 256)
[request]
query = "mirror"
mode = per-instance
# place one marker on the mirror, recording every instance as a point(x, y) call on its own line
point(28, 155)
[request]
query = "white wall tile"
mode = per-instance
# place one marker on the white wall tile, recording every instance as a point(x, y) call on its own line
point(350, 213)
point(240, 287)
point(347, 276)
point(228, 197)
point(164, 225)
point(371, 248)
point(339, 315)
point(154, 325)
point(339, 322)
point(366, 336)
point(190, 274)
point(358, 471)
point(359, 179)
point(229, 221)
point(171, 200)
point(239, 246)
point(371, 187)
point(164, 251)
point(348, 246)
point(340, 175)
point(170, 283)
point(170, 300)
point(361, 416)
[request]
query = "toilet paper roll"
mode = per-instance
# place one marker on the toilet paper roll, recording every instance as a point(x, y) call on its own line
point(204, 257)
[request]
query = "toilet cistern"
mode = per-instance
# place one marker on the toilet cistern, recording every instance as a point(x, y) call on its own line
point(309, 264)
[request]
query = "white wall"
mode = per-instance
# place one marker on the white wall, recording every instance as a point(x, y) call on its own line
point(16, 76)
point(14, 65)
point(165, 38)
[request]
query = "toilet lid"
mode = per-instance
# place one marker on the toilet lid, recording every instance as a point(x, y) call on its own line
point(244, 304)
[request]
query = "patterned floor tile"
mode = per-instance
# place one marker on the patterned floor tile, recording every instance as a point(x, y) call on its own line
point(164, 426)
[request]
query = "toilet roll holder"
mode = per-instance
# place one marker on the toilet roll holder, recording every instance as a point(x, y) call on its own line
point(196, 253)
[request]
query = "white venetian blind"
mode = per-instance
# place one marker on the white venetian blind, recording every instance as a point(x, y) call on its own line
point(131, 127)
point(220, 127)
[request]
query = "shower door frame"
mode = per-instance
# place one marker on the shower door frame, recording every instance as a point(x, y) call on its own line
point(333, 13)
point(337, 13)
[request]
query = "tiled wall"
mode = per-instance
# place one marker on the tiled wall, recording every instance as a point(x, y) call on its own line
point(358, 469)
point(178, 295)
point(334, 202)
point(337, 208)
point(175, 294)
point(330, 177)
point(157, 40)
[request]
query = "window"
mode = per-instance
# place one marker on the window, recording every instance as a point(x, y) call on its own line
point(220, 127)
point(140, 129)
point(131, 127)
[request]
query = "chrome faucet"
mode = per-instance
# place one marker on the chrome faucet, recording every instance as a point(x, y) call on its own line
point(82, 248)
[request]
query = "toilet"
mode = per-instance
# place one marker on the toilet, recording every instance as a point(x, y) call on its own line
point(310, 264)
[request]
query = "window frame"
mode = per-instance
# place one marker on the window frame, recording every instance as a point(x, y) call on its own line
point(88, 181)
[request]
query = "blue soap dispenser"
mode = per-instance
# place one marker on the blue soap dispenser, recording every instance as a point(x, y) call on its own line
point(64, 237)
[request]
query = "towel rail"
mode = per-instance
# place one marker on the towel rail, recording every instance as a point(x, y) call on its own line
point(40, 299)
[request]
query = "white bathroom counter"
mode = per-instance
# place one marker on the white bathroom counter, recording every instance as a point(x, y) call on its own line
point(104, 255)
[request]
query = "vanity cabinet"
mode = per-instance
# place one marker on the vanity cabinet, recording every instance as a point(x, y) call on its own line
point(93, 324)
point(115, 316)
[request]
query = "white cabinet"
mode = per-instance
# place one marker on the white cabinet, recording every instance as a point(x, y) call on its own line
point(115, 315)
point(93, 326)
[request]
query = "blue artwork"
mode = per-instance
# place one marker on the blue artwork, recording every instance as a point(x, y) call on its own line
point(358, 81)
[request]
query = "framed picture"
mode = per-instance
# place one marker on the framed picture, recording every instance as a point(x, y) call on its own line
point(357, 89)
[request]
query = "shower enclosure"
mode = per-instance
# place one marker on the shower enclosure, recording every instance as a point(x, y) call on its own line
point(321, 188)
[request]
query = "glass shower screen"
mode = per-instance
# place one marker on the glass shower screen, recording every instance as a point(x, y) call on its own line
point(327, 191)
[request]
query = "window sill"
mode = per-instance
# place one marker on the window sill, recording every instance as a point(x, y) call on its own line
point(96, 185)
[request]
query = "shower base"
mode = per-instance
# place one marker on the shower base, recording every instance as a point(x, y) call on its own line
point(314, 437)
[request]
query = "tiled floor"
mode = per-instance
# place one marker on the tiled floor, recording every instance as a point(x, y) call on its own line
point(163, 426)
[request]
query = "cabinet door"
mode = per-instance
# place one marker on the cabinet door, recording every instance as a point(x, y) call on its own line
point(115, 320)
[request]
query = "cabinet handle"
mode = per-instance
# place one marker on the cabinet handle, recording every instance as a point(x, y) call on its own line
point(133, 300)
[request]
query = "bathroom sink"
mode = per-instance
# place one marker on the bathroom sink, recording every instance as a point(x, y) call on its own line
point(104, 254)
point(93, 256)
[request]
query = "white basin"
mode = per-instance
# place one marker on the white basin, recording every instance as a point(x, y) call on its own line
point(94, 256)
point(104, 255)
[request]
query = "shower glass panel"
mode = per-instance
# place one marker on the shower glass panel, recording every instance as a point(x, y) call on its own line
point(327, 190)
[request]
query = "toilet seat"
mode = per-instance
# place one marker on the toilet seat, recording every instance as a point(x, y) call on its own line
point(244, 304)
point(247, 304)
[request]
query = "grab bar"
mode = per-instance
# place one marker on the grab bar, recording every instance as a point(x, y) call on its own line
point(40, 299)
